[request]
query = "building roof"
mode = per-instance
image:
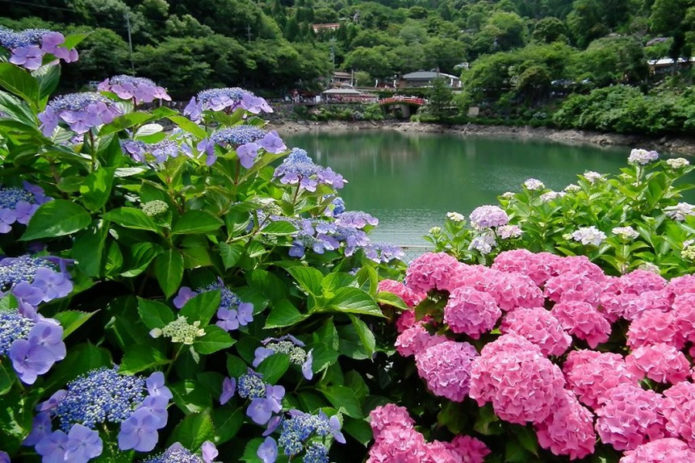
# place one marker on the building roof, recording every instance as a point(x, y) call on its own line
point(668, 61)
point(342, 74)
point(342, 91)
point(427, 75)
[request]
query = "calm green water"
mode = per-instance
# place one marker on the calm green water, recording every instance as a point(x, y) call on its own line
point(410, 182)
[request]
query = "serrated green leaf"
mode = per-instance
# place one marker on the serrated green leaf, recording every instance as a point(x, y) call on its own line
point(56, 218)
point(354, 300)
point(214, 340)
point(193, 430)
point(196, 222)
point(130, 217)
point(273, 367)
point(168, 269)
point(154, 314)
point(342, 397)
point(282, 314)
point(71, 320)
point(96, 188)
point(18, 81)
point(365, 334)
point(141, 357)
point(308, 278)
point(202, 307)
point(231, 253)
point(280, 227)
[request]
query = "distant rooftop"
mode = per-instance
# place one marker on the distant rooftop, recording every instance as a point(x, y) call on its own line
point(427, 75)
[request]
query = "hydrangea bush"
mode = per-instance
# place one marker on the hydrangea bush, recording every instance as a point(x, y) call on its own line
point(171, 289)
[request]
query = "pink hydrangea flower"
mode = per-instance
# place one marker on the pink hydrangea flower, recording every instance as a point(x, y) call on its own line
point(634, 305)
point(580, 265)
point(416, 339)
point(660, 362)
point(569, 430)
point(653, 327)
point(397, 444)
point(471, 312)
point(473, 276)
point(446, 368)
point(679, 411)
point(430, 271)
point(389, 415)
point(629, 416)
point(639, 281)
point(539, 267)
point(663, 450)
point(405, 320)
point(513, 290)
point(573, 287)
point(538, 326)
point(582, 320)
point(469, 449)
point(512, 373)
point(684, 315)
point(590, 375)
point(681, 285)
point(410, 297)
point(439, 452)
point(610, 302)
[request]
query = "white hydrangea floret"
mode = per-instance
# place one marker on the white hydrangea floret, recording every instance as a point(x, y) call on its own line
point(680, 211)
point(677, 163)
point(642, 156)
point(626, 233)
point(589, 235)
point(455, 217)
point(533, 184)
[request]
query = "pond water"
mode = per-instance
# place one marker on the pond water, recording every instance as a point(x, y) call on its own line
point(410, 181)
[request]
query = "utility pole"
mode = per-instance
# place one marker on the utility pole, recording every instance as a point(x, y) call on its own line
point(130, 44)
point(248, 32)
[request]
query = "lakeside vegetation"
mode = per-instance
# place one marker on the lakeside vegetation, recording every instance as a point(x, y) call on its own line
point(558, 63)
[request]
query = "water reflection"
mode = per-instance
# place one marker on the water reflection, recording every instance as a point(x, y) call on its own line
point(411, 181)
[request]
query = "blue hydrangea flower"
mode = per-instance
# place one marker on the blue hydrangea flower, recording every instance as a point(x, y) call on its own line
point(246, 140)
point(225, 99)
point(138, 89)
point(13, 326)
point(79, 445)
point(268, 450)
point(299, 169)
point(290, 346)
point(19, 204)
point(29, 46)
point(79, 111)
point(316, 453)
point(383, 252)
point(160, 151)
point(232, 312)
point(33, 280)
point(356, 219)
point(251, 386)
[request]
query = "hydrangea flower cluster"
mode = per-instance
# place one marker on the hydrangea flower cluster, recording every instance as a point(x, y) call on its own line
point(101, 397)
point(626, 233)
point(488, 217)
point(471, 312)
point(32, 345)
point(680, 211)
point(177, 453)
point(138, 89)
point(28, 47)
point(179, 330)
point(225, 99)
point(232, 312)
point(677, 163)
point(540, 327)
point(660, 450)
point(642, 157)
point(266, 399)
point(290, 346)
point(533, 184)
point(299, 169)
point(302, 432)
point(79, 111)
point(33, 280)
point(17, 205)
point(589, 236)
point(397, 441)
point(593, 177)
point(247, 140)
point(160, 151)
point(445, 367)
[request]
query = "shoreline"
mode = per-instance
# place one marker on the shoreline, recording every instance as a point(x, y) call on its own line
point(682, 145)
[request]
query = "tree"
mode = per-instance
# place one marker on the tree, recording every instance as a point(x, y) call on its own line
point(549, 30)
point(439, 98)
point(585, 21)
point(666, 15)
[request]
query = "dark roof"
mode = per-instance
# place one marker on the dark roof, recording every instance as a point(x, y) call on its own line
point(426, 75)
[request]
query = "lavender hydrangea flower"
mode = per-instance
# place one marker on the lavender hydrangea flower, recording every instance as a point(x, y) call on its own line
point(160, 151)
point(247, 140)
point(231, 313)
point(138, 433)
point(208, 451)
point(356, 219)
point(261, 409)
point(83, 444)
point(488, 217)
point(300, 426)
point(19, 204)
point(268, 450)
point(138, 89)
point(483, 243)
point(383, 252)
point(79, 111)
point(533, 184)
point(323, 235)
point(228, 390)
point(251, 385)
point(680, 211)
point(29, 46)
point(316, 453)
point(177, 453)
point(40, 428)
point(33, 280)
point(290, 346)
point(4, 457)
point(299, 169)
point(225, 99)
point(642, 156)
point(336, 207)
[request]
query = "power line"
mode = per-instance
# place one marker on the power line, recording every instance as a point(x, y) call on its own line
point(39, 5)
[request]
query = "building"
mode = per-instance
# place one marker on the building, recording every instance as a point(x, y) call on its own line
point(325, 27)
point(342, 79)
point(664, 65)
point(347, 95)
point(420, 79)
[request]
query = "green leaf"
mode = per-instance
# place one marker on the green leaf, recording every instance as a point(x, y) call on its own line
point(308, 278)
point(7, 377)
point(280, 227)
point(250, 451)
point(17, 109)
point(130, 217)
point(193, 430)
point(235, 366)
point(72, 40)
point(139, 257)
point(96, 189)
point(336, 280)
point(231, 253)
point(527, 438)
point(88, 250)
point(273, 367)
point(202, 307)
point(268, 284)
point(48, 78)
point(125, 121)
point(359, 429)
point(390, 299)
point(189, 126)
point(196, 222)
point(70, 320)
point(141, 357)
point(487, 423)
point(342, 397)
point(227, 424)
point(18, 81)
point(56, 218)
point(365, 334)
point(283, 313)
point(215, 339)
point(354, 300)
point(154, 314)
point(168, 269)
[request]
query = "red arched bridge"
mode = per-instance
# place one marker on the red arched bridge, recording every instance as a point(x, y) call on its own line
point(402, 100)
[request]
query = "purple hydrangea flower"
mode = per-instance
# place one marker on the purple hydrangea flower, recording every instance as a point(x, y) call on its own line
point(228, 390)
point(138, 89)
point(83, 444)
point(225, 99)
point(177, 453)
point(4, 457)
point(298, 429)
point(316, 453)
point(208, 451)
point(356, 219)
point(383, 252)
point(251, 385)
point(185, 294)
point(488, 217)
point(160, 152)
point(52, 447)
point(79, 111)
point(19, 204)
point(247, 140)
point(138, 433)
point(299, 169)
point(155, 386)
point(29, 360)
point(268, 450)
point(40, 428)
point(231, 313)
point(29, 46)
